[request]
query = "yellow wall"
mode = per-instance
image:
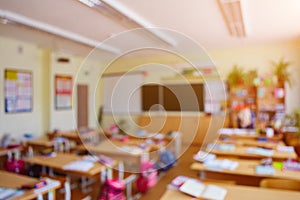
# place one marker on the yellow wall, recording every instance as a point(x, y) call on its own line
point(259, 57)
point(43, 64)
point(83, 71)
point(20, 55)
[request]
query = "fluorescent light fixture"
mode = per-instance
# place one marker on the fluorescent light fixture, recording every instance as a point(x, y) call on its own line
point(20, 19)
point(123, 15)
point(91, 3)
point(233, 16)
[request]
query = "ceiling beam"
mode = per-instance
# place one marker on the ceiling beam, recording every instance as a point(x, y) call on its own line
point(23, 20)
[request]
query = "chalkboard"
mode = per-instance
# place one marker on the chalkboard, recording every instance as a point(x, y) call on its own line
point(173, 97)
point(150, 97)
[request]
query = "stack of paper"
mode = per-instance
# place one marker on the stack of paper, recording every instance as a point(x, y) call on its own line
point(198, 189)
point(268, 169)
point(50, 184)
point(79, 165)
point(221, 147)
point(285, 149)
point(260, 151)
point(203, 156)
point(6, 193)
point(221, 164)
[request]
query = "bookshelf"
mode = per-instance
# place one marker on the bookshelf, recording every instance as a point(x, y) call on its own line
point(266, 101)
point(239, 96)
point(270, 102)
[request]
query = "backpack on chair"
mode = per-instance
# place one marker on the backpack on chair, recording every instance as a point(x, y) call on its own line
point(14, 163)
point(166, 160)
point(112, 189)
point(147, 177)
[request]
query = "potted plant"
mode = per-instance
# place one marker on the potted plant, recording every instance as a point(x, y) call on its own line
point(236, 76)
point(280, 70)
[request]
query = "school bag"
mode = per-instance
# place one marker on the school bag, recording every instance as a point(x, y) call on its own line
point(112, 189)
point(148, 176)
point(166, 160)
point(14, 163)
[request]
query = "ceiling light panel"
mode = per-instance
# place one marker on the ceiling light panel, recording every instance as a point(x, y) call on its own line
point(233, 17)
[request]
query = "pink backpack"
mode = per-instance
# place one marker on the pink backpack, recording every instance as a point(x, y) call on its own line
point(147, 177)
point(15, 163)
point(112, 189)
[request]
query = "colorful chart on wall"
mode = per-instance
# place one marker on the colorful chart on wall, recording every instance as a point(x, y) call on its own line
point(63, 92)
point(18, 91)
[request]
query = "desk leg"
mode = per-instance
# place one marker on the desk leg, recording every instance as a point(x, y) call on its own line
point(44, 169)
point(51, 195)
point(40, 197)
point(202, 174)
point(84, 184)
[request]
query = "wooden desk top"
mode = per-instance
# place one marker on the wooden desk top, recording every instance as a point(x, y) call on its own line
point(43, 141)
point(252, 143)
point(241, 152)
point(4, 151)
point(245, 134)
point(247, 168)
point(236, 192)
point(60, 160)
point(15, 181)
point(131, 160)
point(71, 135)
point(113, 148)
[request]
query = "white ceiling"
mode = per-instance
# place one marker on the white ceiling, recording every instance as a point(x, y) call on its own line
point(266, 21)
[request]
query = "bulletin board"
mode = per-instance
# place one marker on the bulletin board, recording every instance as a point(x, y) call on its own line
point(18, 91)
point(63, 92)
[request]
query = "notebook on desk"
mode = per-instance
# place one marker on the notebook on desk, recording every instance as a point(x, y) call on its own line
point(198, 189)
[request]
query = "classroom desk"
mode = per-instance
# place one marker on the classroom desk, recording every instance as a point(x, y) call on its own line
point(70, 135)
point(246, 134)
point(12, 180)
point(131, 160)
point(5, 151)
point(76, 136)
point(241, 152)
point(252, 143)
point(60, 160)
point(40, 142)
point(236, 192)
point(244, 174)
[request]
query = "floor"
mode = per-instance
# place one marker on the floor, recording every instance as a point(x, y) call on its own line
point(182, 168)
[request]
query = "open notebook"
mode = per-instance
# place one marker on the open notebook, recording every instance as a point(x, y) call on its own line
point(200, 190)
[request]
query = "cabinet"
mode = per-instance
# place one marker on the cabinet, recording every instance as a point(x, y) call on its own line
point(266, 101)
point(270, 102)
point(240, 96)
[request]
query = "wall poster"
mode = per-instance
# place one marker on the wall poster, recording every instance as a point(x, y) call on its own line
point(63, 92)
point(18, 91)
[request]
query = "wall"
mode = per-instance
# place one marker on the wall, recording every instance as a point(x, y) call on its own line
point(82, 72)
point(250, 57)
point(259, 57)
point(43, 64)
point(20, 55)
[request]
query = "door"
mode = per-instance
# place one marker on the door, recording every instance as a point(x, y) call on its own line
point(82, 106)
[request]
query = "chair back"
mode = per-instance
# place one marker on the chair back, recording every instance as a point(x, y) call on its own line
point(280, 184)
point(65, 187)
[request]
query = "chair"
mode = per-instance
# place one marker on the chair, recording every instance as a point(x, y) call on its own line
point(128, 181)
point(280, 184)
point(65, 187)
